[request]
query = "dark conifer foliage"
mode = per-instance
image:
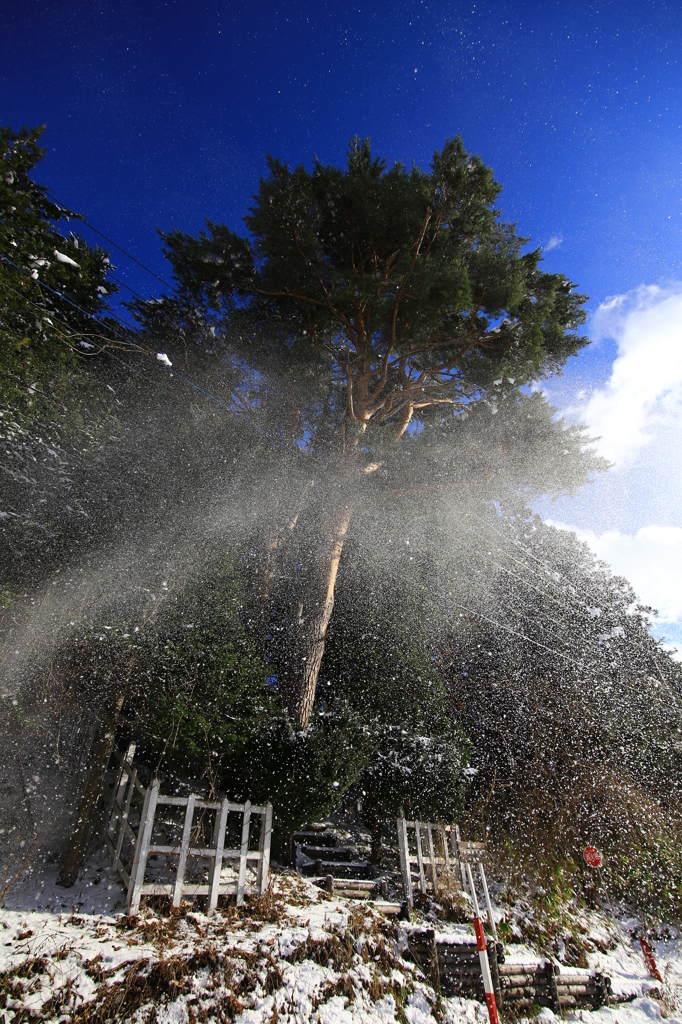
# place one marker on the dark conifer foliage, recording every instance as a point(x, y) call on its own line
point(52, 283)
point(406, 281)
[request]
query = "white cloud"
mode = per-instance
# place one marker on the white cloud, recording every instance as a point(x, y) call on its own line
point(554, 242)
point(631, 516)
point(650, 559)
point(642, 400)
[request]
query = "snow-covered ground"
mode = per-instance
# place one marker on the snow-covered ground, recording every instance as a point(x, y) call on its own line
point(298, 956)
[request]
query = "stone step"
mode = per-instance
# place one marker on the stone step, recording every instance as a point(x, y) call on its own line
point(339, 869)
point(325, 839)
point(322, 852)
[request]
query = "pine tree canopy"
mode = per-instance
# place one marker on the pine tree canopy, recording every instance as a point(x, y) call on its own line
point(407, 281)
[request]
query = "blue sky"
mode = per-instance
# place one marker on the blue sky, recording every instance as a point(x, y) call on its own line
point(159, 114)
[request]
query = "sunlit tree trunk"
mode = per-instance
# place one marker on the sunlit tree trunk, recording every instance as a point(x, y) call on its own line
point(317, 627)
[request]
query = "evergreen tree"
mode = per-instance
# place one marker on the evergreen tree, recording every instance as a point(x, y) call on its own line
point(52, 283)
point(377, 298)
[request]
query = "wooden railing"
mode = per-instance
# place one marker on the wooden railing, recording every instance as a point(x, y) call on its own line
point(439, 862)
point(119, 834)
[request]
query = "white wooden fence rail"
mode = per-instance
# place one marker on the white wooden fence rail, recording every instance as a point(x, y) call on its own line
point(118, 801)
point(429, 867)
point(456, 856)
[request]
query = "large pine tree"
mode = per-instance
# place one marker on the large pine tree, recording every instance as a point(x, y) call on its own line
point(385, 297)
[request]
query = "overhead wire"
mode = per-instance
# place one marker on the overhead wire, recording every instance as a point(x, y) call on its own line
point(243, 406)
point(565, 589)
point(101, 234)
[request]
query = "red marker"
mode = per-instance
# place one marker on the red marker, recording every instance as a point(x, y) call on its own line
point(648, 954)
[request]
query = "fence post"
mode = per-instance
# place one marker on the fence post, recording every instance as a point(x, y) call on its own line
point(130, 754)
point(264, 849)
point(446, 852)
point(184, 847)
point(553, 990)
point(144, 836)
point(491, 946)
point(214, 887)
point(117, 790)
point(244, 850)
point(433, 956)
point(462, 869)
point(404, 852)
point(432, 858)
point(123, 819)
point(420, 858)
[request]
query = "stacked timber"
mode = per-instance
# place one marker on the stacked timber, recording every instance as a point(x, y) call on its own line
point(455, 967)
point(528, 985)
point(578, 990)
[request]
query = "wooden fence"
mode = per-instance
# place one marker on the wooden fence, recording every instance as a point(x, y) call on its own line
point(131, 845)
point(433, 866)
point(444, 861)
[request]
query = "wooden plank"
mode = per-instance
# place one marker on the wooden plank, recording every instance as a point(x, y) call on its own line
point(184, 847)
point(420, 858)
point(110, 795)
point(157, 889)
point(264, 850)
point(217, 865)
point(202, 889)
point(446, 853)
point(130, 754)
point(432, 858)
point(533, 969)
point(462, 869)
point(144, 836)
point(403, 850)
point(244, 851)
point(470, 852)
point(112, 850)
point(519, 977)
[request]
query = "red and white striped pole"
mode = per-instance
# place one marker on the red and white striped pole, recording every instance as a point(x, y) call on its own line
point(483, 953)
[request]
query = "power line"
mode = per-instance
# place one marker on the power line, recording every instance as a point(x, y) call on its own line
point(244, 408)
point(124, 285)
point(111, 242)
point(65, 298)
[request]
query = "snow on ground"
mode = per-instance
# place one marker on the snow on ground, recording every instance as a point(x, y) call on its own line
point(298, 956)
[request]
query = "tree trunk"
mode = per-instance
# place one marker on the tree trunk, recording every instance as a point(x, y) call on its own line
point(314, 648)
point(99, 760)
